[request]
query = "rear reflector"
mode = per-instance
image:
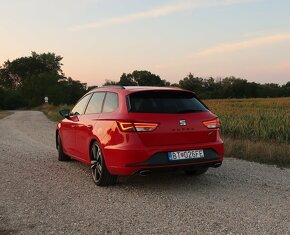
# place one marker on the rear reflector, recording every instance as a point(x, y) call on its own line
point(212, 124)
point(137, 126)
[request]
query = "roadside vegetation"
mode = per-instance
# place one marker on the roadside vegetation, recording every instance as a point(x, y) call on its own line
point(52, 111)
point(4, 114)
point(255, 129)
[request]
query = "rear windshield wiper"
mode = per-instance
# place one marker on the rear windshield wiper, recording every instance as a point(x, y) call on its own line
point(189, 111)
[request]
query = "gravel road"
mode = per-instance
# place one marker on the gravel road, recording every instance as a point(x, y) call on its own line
point(39, 195)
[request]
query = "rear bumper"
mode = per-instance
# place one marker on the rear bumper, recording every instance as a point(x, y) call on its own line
point(165, 168)
point(148, 171)
point(129, 160)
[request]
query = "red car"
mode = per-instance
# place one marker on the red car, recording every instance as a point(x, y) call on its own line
point(139, 130)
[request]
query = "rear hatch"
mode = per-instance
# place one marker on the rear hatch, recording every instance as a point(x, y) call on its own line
point(179, 114)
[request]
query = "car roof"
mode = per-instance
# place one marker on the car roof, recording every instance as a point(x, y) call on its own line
point(150, 88)
point(135, 88)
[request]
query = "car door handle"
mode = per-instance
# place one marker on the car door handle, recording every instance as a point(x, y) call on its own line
point(90, 127)
point(73, 126)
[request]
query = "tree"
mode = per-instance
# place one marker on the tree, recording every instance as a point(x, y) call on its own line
point(191, 83)
point(27, 80)
point(110, 83)
point(14, 74)
point(146, 78)
point(73, 90)
point(127, 80)
point(139, 78)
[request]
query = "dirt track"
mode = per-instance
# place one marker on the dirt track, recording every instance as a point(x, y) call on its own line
point(39, 195)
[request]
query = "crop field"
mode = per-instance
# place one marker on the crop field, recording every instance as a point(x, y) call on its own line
point(254, 119)
point(255, 129)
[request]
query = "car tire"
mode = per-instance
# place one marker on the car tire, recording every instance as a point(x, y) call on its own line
point(196, 172)
point(61, 155)
point(99, 171)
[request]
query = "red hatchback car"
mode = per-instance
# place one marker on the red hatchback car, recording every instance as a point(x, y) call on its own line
point(139, 130)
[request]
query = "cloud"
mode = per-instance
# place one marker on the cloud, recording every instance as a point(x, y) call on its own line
point(156, 12)
point(236, 46)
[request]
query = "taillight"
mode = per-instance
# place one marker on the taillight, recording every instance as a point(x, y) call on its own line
point(137, 126)
point(126, 126)
point(212, 124)
point(145, 126)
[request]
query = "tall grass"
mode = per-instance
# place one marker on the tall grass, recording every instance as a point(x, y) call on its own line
point(258, 151)
point(52, 111)
point(254, 119)
point(255, 129)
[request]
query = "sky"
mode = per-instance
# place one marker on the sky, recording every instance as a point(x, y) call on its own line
point(101, 39)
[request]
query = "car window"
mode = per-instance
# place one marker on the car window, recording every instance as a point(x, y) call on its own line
point(96, 102)
point(165, 102)
point(80, 106)
point(111, 102)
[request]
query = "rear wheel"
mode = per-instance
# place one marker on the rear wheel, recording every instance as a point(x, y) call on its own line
point(196, 172)
point(61, 155)
point(100, 173)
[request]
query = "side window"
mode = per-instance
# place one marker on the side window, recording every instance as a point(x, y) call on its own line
point(95, 104)
point(80, 106)
point(111, 102)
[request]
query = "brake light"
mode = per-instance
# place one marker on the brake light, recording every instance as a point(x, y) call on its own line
point(126, 126)
point(137, 126)
point(212, 124)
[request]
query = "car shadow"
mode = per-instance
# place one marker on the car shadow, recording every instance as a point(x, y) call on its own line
point(165, 181)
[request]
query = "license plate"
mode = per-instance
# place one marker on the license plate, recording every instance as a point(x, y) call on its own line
point(183, 155)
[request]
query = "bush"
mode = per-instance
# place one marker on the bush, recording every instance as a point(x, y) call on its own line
point(10, 99)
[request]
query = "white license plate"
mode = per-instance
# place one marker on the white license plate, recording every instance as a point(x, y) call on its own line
point(183, 155)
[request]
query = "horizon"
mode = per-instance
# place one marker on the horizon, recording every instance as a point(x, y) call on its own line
point(99, 40)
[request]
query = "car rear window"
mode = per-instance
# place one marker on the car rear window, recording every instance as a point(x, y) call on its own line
point(164, 102)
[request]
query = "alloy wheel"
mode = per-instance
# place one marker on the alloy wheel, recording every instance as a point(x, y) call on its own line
point(96, 162)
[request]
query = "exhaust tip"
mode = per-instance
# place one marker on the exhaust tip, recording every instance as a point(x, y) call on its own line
point(145, 172)
point(216, 165)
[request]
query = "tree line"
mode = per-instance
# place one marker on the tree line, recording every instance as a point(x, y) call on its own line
point(25, 81)
point(208, 88)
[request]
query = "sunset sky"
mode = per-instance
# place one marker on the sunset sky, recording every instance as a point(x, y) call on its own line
point(101, 39)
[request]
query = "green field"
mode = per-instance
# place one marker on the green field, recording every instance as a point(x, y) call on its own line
point(254, 119)
point(255, 129)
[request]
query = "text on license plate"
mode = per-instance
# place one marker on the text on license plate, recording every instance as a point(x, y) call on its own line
point(182, 155)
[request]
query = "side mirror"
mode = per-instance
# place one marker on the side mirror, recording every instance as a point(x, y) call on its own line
point(65, 113)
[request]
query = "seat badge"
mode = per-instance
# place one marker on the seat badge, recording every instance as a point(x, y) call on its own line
point(182, 122)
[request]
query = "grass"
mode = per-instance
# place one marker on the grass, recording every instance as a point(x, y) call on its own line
point(255, 129)
point(254, 119)
point(52, 111)
point(258, 151)
point(4, 114)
